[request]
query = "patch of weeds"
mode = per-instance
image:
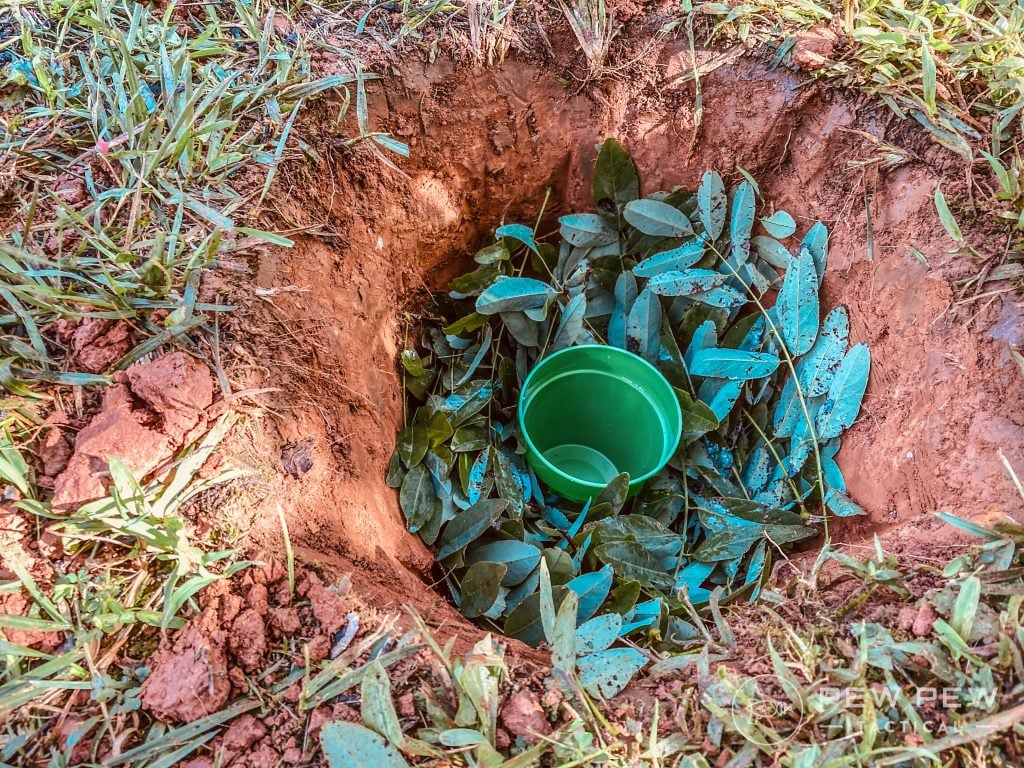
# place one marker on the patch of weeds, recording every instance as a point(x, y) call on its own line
point(680, 279)
point(128, 569)
point(137, 150)
point(795, 681)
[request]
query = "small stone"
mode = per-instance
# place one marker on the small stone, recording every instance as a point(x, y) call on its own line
point(924, 621)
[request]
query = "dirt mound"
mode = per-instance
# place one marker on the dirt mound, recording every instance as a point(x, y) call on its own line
point(945, 396)
point(152, 410)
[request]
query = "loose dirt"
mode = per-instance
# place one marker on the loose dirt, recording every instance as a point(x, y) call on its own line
point(945, 396)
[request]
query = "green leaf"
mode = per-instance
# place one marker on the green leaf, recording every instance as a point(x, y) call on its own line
point(470, 438)
point(614, 493)
point(417, 499)
point(607, 673)
point(844, 394)
point(615, 179)
point(412, 444)
point(817, 368)
point(524, 623)
point(734, 364)
point(797, 306)
point(469, 525)
point(480, 587)
point(592, 590)
point(653, 217)
point(519, 232)
point(772, 251)
point(514, 294)
point(378, 710)
point(439, 429)
point(585, 230)
point(712, 204)
point(966, 608)
point(698, 419)
point(779, 225)
point(518, 557)
point(928, 77)
point(946, 216)
point(462, 737)
point(673, 260)
point(643, 326)
point(547, 602)
point(347, 745)
point(631, 560)
point(727, 544)
point(685, 283)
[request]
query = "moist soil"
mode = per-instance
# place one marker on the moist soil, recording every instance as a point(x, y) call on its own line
point(311, 356)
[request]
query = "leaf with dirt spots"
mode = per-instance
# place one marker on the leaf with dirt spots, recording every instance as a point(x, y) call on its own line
point(741, 223)
point(712, 204)
point(607, 673)
point(686, 282)
point(643, 327)
point(723, 296)
point(816, 241)
point(584, 230)
point(480, 587)
point(842, 403)
point(598, 633)
point(735, 364)
point(671, 261)
point(797, 306)
point(817, 368)
point(347, 745)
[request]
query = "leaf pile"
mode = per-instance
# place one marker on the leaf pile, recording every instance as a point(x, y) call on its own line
point(681, 279)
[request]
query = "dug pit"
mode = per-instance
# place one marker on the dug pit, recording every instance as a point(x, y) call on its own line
point(944, 411)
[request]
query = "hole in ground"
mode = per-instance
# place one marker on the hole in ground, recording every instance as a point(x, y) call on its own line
point(944, 396)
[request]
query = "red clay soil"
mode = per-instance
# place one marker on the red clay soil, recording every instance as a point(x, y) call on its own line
point(945, 395)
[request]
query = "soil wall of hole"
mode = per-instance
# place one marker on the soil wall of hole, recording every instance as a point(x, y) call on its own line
point(945, 396)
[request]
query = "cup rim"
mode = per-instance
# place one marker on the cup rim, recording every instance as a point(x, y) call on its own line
point(677, 411)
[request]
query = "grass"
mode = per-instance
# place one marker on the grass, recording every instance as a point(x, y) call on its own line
point(135, 153)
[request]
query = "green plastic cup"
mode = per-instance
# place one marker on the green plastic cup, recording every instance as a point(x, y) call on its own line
point(588, 413)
